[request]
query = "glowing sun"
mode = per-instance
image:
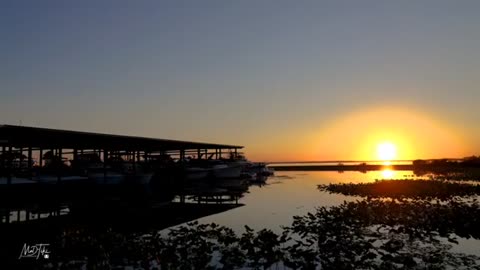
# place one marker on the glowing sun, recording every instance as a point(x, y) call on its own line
point(386, 151)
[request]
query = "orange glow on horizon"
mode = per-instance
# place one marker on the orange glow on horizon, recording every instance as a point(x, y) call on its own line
point(395, 134)
point(358, 136)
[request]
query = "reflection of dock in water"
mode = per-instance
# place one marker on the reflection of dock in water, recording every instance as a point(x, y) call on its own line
point(99, 222)
point(91, 202)
point(130, 218)
point(217, 192)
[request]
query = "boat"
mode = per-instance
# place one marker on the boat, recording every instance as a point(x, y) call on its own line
point(137, 172)
point(196, 173)
point(195, 169)
point(249, 175)
point(260, 169)
point(114, 171)
point(105, 176)
point(201, 169)
point(227, 170)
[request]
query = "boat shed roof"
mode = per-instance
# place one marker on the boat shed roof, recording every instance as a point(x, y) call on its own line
point(21, 136)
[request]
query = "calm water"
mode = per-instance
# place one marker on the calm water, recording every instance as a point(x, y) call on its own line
point(270, 204)
point(295, 193)
point(292, 193)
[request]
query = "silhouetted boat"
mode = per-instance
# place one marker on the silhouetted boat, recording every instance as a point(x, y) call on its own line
point(218, 168)
point(196, 173)
point(228, 170)
point(114, 171)
point(260, 169)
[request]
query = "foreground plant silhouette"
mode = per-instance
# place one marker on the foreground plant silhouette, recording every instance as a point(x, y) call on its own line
point(398, 189)
point(367, 234)
point(399, 224)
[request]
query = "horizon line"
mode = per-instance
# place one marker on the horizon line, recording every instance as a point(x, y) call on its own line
point(363, 161)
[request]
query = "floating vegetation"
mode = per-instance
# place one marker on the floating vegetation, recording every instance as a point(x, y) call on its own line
point(367, 234)
point(398, 189)
point(415, 230)
point(466, 175)
point(375, 234)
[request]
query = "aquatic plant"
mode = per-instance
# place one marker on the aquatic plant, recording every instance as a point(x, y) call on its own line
point(376, 234)
point(398, 189)
point(366, 234)
point(415, 230)
point(463, 175)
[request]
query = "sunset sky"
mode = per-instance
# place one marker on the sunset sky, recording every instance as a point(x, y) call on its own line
point(289, 80)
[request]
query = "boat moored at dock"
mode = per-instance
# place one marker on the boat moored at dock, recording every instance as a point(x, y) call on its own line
point(40, 155)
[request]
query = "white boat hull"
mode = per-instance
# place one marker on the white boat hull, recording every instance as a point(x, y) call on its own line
point(54, 178)
point(113, 178)
point(106, 178)
point(227, 171)
point(196, 173)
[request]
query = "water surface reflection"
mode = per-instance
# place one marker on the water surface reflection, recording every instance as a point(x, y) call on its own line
point(365, 231)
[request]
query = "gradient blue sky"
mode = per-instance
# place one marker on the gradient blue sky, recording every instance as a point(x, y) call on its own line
point(265, 74)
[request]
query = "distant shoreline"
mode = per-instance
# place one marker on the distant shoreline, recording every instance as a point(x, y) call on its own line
point(378, 167)
point(340, 167)
point(371, 162)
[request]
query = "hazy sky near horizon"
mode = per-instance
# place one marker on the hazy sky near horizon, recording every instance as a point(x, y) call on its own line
point(290, 80)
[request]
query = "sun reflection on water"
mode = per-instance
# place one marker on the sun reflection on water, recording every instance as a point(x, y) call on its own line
point(388, 174)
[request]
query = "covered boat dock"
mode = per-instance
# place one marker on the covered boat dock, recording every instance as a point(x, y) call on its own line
point(25, 148)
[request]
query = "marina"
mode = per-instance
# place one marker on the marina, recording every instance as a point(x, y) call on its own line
point(79, 169)
point(38, 155)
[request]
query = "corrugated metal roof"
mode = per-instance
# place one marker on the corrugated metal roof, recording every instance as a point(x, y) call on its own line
point(21, 136)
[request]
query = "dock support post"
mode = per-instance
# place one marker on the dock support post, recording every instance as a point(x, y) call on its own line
point(134, 163)
point(20, 159)
point(41, 158)
point(105, 158)
point(3, 159)
point(60, 163)
point(52, 156)
point(30, 161)
point(9, 165)
point(199, 156)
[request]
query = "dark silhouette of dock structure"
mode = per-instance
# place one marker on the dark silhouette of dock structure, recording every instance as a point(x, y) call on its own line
point(39, 166)
point(19, 146)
